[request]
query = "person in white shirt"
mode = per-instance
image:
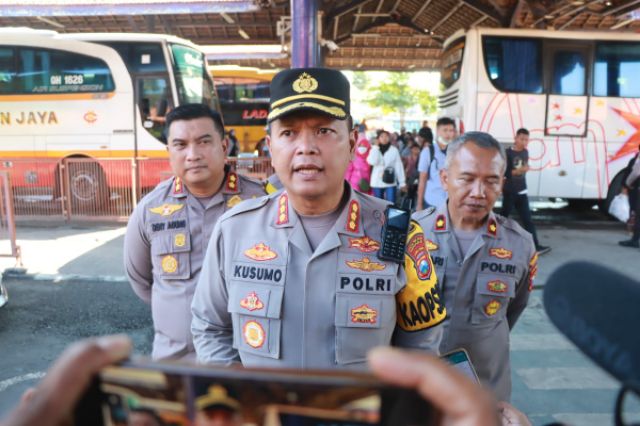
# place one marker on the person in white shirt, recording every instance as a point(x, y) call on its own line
point(388, 172)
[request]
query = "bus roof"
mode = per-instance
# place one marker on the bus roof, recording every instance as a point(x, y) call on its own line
point(127, 37)
point(534, 33)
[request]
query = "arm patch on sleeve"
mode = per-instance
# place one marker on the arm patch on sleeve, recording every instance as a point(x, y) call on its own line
point(419, 304)
point(533, 270)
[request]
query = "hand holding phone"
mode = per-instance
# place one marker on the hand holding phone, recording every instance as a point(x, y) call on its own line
point(394, 234)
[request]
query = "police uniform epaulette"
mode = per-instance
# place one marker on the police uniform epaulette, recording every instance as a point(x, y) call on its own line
point(419, 215)
point(246, 206)
point(249, 179)
point(511, 225)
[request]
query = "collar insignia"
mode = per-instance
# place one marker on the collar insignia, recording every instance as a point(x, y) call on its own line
point(232, 182)
point(365, 264)
point(178, 187)
point(283, 210)
point(364, 314)
point(364, 244)
point(492, 227)
point(260, 252)
point(441, 222)
point(166, 209)
point(252, 302)
point(353, 219)
point(501, 253)
point(305, 83)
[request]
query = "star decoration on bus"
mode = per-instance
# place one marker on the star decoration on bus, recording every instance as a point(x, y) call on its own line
point(558, 118)
point(577, 111)
point(621, 132)
point(555, 105)
point(631, 145)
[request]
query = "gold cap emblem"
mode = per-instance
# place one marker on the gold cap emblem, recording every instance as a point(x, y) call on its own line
point(305, 83)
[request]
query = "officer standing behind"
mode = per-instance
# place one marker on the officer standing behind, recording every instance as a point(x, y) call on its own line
point(485, 263)
point(169, 230)
point(293, 279)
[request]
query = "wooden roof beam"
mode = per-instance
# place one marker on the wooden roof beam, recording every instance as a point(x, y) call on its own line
point(490, 12)
point(339, 11)
point(450, 14)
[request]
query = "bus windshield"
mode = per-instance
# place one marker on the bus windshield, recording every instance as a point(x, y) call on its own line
point(192, 79)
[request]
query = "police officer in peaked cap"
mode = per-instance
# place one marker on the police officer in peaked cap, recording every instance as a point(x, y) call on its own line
point(169, 230)
point(293, 279)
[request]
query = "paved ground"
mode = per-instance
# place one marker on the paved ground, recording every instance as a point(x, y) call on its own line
point(552, 380)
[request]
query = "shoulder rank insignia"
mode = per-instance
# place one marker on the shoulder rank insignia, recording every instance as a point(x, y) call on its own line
point(169, 264)
point(501, 253)
point(441, 223)
point(253, 334)
point(431, 246)
point(365, 264)
point(497, 286)
point(260, 252)
point(178, 187)
point(492, 307)
point(364, 314)
point(353, 218)
point(419, 304)
point(492, 227)
point(166, 209)
point(232, 182)
point(252, 302)
point(283, 210)
point(533, 270)
point(305, 83)
point(364, 244)
point(233, 201)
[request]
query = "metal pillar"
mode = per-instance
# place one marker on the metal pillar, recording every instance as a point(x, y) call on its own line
point(304, 33)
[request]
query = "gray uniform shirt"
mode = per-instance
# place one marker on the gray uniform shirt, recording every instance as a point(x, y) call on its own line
point(266, 299)
point(488, 292)
point(164, 247)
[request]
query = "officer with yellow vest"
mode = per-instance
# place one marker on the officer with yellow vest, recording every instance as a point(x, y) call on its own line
point(293, 279)
point(169, 230)
point(485, 263)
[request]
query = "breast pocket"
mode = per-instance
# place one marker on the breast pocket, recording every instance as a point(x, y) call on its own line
point(493, 294)
point(362, 322)
point(171, 255)
point(256, 311)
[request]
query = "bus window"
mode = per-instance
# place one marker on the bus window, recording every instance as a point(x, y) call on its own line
point(192, 78)
point(7, 70)
point(568, 73)
point(513, 64)
point(155, 102)
point(617, 66)
point(452, 62)
point(53, 71)
point(140, 58)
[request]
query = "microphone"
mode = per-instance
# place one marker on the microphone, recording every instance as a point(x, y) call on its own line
point(598, 309)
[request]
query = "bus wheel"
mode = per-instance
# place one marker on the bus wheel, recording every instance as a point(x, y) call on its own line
point(87, 187)
point(614, 189)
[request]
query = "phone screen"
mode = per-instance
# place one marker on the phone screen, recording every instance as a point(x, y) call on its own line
point(461, 362)
point(179, 395)
point(398, 219)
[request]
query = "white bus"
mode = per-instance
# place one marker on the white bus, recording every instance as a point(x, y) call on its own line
point(578, 93)
point(91, 96)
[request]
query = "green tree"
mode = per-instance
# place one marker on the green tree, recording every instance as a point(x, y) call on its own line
point(396, 95)
point(360, 80)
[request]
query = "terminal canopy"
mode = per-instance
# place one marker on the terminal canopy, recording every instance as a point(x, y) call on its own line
point(355, 34)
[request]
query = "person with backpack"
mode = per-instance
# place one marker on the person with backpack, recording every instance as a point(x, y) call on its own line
point(432, 160)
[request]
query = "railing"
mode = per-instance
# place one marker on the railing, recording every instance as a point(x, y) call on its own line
point(8, 243)
point(106, 189)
